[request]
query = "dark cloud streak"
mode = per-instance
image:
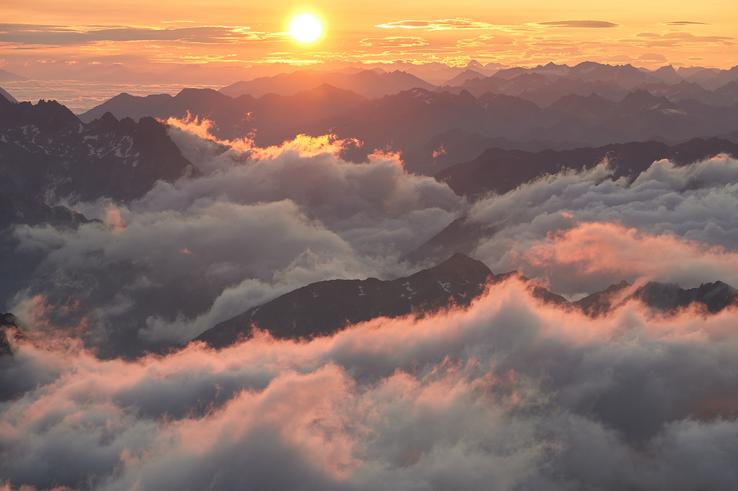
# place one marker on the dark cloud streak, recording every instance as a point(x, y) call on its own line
point(30, 34)
point(586, 24)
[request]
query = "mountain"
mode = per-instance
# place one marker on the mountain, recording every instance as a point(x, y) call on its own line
point(407, 121)
point(499, 170)
point(327, 306)
point(709, 78)
point(309, 111)
point(47, 154)
point(714, 297)
point(725, 95)
point(545, 84)
point(665, 297)
point(667, 74)
point(368, 83)
point(6, 76)
point(44, 148)
point(6, 95)
point(600, 303)
point(6, 321)
point(463, 77)
point(205, 103)
point(414, 121)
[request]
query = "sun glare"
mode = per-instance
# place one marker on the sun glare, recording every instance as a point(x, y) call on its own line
point(305, 28)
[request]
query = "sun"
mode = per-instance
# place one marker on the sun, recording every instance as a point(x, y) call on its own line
point(305, 28)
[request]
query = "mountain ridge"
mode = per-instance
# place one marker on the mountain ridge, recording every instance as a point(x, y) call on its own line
point(325, 307)
point(410, 120)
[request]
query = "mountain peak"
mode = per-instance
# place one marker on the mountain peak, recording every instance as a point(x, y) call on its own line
point(328, 306)
point(46, 115)
point(641, 97)
point(6, 97)
point(7, 320)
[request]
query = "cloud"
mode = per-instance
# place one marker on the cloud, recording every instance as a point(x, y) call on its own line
point(586, 24)
point(670, 39)
point(675, 206)
point(594, 253)
point(452, 24)
point(486, 40)
point(255, 223)
point(510, 392)
point(394, 42)
point(686, 23)
point(653, 57)
point(62, 35)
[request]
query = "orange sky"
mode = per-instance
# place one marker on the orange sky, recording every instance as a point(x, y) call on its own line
point(45, 37)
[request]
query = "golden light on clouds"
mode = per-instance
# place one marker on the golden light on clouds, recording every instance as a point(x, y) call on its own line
point(143, 36)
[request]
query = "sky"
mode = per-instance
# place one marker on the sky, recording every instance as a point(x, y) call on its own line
point(48, 39)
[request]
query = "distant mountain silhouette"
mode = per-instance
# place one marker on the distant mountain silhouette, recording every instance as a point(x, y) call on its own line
point(309, 111)
point(369, 83)
point(544, 84)
point(6, 321)
point(463, 77)
point(327, 306)
point(6, 76)
point(709, 78)
point(415, 121)
point(498, 170)
point(46, 154)
point(665, 297)
point(5, 94)
point(45, 148)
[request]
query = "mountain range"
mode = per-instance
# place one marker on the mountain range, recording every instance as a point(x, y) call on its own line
point(498, 170)
point(368, 83)
point(435, 129)
point(6, 76)
point(545, 84)
point(62, 156)
point(325, 307)
point(542, 84)
point(47, 154)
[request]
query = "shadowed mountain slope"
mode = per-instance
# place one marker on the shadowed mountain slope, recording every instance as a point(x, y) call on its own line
point(327, 306)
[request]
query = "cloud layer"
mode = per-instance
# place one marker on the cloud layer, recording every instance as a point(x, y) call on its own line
point(582, 231)
point(509, 393)
point(587, 24)
point(255, 223)
point(33, 34)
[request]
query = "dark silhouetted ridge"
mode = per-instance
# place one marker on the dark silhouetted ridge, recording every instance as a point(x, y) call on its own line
point(327, 306)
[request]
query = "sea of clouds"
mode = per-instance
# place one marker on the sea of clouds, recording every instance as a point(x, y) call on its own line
point(508, 394)
point(252, 224)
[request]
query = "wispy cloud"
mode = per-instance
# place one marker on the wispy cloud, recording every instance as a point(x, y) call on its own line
point(394, 42)
point(64, 35)
point(586, 24)
point(686, 23)
point(682, 38)
point(452, 24)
